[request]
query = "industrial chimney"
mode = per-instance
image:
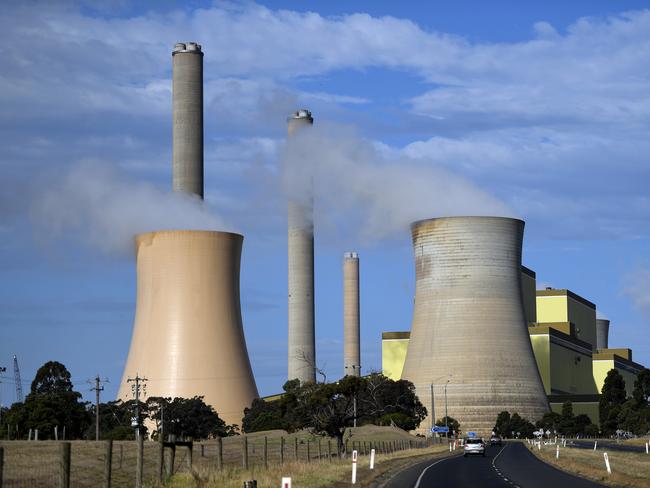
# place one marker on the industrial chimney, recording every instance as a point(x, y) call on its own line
point(188, 338)
point(351, 322)
point(187, 101)
point(469, 342)
point(302, 346)
point(602, 333)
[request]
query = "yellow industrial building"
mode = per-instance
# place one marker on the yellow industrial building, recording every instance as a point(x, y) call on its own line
point(563, 332)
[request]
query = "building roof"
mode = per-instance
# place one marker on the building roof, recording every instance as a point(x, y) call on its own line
point(558, 293)
point(395, 335)
point(528, 271)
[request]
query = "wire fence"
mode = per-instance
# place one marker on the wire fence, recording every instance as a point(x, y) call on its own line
point(44, 464)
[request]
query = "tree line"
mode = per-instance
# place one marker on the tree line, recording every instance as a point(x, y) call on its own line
point(618, 413)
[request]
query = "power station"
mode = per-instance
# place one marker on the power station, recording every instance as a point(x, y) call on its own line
point(482, 337)
point(300, 251)
point(188, 338)
point(468, 335)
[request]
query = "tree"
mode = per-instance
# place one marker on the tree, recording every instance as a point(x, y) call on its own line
point(612, 398)
point(502, 425)
point(452, 423)
point(185, 418)
point(641, 393)
point(513, 425)
point(53, 403)
point(383, 401)
point(549, 421)
point(567, 424)
point(263, 415)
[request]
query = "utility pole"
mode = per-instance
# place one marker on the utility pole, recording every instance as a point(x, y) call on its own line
point(97, 389)
point(2, 370)
point(446, 415)
point(19, 384)
point(138, 386)
point(432, 416)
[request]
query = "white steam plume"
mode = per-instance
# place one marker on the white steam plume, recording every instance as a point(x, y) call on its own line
point(355, 184)
point(106, 209)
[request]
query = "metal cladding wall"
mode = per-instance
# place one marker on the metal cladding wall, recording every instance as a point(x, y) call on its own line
point(187, 107)
point(302, 341)
point(351, 320)
point(188, 337)
point(469, 332)
point(602, 334)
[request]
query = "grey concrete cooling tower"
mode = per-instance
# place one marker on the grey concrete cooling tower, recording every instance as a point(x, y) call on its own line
point(302, 346)
point(188, 338)
point(351, 321)
point(469, 341)
point(602, 333)
point(187, 96)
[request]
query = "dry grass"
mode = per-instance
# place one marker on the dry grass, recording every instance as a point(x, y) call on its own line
point(628, 469)
point(314, 475)
point(36, 464)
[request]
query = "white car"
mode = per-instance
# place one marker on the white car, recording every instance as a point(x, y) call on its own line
point(474, 445)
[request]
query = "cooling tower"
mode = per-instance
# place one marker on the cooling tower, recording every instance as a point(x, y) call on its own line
point(469, 337)
point(351, 340)
point(602, 334)
point(302, 347)
point(187, 101)
point(187, 337)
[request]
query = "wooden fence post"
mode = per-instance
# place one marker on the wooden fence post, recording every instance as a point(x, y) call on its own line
point(244, 452)
point(161, 460)
point(172, 460)
point(139, 464)
point(219, 454)
point(320, 452)
point(108, 463)
point(295, 448)
point(2, 463)
point(308, 452)
point(64, 465)
point(266, 453)
point(329, 449)
point(190, 452)
point(281, 450)
point(202, 450)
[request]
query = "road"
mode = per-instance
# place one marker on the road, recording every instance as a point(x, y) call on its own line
point(509, 466)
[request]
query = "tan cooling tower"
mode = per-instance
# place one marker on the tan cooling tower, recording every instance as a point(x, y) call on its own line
point(351, 321)
point(187, 337)
point(469, 333)
point(300, 250)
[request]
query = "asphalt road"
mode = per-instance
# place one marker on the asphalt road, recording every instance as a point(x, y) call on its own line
point(509, 466)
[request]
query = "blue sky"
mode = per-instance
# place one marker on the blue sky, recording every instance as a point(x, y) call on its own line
point(539, 111)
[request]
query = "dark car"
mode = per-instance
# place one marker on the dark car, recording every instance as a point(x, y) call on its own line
point(495, 441)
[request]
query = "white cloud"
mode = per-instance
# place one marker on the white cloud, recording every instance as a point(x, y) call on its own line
point(637, 289)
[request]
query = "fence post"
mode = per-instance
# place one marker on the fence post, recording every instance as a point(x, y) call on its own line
point(244, 452)
point(139, 465)
point(329, 450)
point(219, 454)
point(308, 452)
point(202, 450)
point(320, 452)
point(190, 452)
point(295, 448)
point(266, 453)
point(108, 463)
point(2, 462)
point(64, 465)
point(281, 450)
point(172, 460)
point(161, 460)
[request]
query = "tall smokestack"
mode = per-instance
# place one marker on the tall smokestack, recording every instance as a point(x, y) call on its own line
point(351, 349)
point(602, 333)
point(469, 342)
point(187, 95)
point(302, 345)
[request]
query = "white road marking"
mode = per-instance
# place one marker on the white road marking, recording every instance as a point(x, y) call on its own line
point(417, 483)
point(497, 469)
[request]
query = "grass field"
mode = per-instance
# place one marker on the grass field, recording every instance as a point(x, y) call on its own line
point(628, 469)
point(36, 463)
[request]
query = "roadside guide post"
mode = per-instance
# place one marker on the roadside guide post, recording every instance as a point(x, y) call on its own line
point(609, 469)
point(286, 482)
point(354, 467)
point(372, 459)
point(595, 445)
point(557, 452)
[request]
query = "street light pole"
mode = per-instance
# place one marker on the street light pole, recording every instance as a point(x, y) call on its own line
point(446, 415)
point(432, 416)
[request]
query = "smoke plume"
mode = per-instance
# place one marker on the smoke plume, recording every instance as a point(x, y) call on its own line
point(357, 186)
point(106, 209)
